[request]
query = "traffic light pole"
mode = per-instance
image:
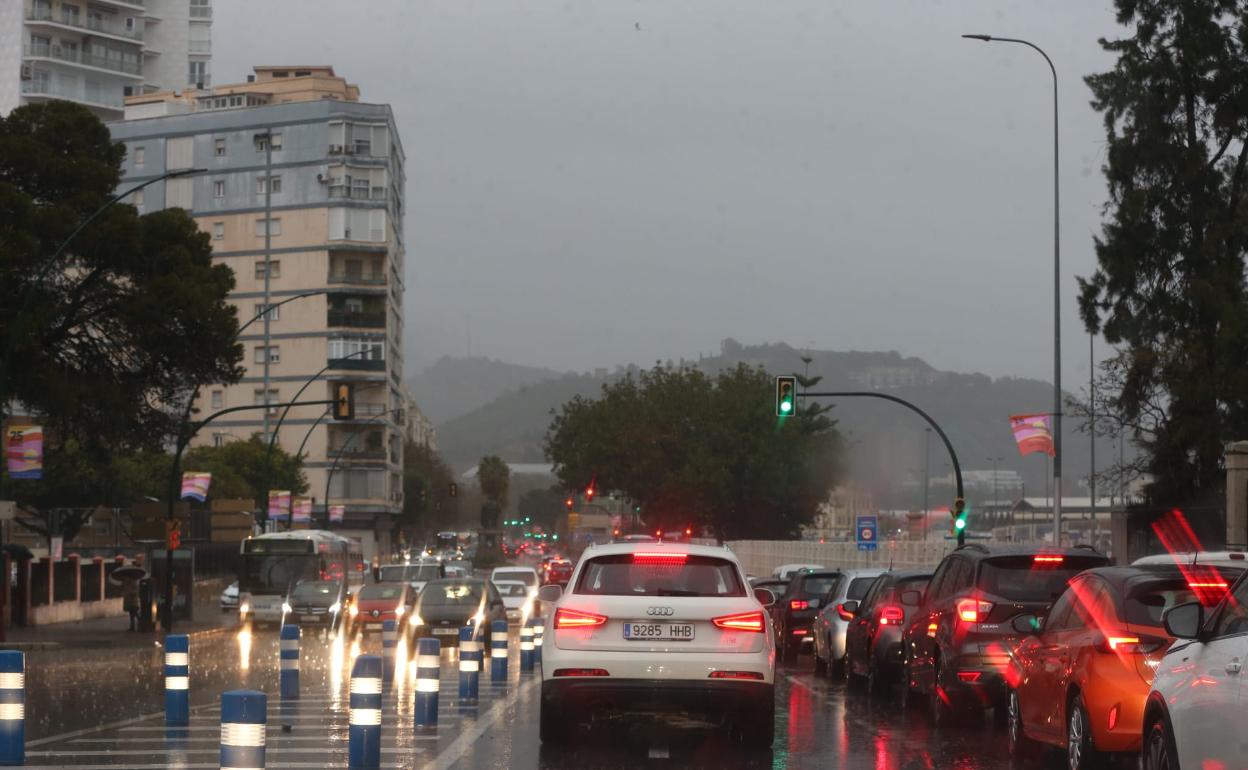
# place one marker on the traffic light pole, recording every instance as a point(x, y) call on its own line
point(953, 456)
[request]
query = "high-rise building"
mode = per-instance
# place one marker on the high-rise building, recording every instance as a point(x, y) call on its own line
point(99, 52)
point(329, 169)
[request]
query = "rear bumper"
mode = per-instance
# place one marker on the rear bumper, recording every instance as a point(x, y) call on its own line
point(446, 640)
point(726, 701)
point(987, 686)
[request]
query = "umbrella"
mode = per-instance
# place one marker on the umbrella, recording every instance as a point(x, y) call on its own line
point(128, 572)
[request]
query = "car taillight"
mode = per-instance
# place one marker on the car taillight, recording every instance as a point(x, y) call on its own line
point(1130, 645)
point(798, 604)
point(892, 615)
point(744, 621)
point(581, 672)
point(660, 559)
point(577, 619)
point(1045, 558)
point(844, 613)
point(754, 675)
point(973, 610)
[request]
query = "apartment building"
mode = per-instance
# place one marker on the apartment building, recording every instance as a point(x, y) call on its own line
point(332, 168)
point(98, 52)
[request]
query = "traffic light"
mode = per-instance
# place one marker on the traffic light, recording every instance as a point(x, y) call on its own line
point(453, 490)
point(569, 503)
point(344, 401)
point(589, 492)
point(173, 531)
point(786, 386)
point(959, 513)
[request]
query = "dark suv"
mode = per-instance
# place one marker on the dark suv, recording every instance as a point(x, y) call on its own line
point(794, 614)
point(958, 643)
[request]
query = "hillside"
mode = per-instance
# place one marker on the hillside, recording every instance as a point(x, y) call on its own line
point(456, 386)
point(886, 441)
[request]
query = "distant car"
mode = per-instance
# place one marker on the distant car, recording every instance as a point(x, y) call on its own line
point(638, 539)
point(526, 575)
point(835, 613)
point(229, 598)
point(873, 637)
point(559, 572)
point(461, 563)
point(775, 585)
point(316, 603)
point(787, 571)
point(793, 615)
point(455, 572)
point(957, 646)
point(449, 604)
point(415, 574)
point(376, 603)
point(1083, 677)
point(1193, 718)
point(516, 598)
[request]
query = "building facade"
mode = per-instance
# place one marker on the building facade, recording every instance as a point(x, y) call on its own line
point(99, 52)
point(332, 170)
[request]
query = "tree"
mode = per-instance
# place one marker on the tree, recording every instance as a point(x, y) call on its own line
point(542, 506)
point(427, 504)
point(129, 318)
point(242, 469)
point(702, 451)
point(1169, 287)
point(494, 477)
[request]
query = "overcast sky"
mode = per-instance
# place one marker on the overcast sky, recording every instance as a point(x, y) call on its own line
point(596, 182)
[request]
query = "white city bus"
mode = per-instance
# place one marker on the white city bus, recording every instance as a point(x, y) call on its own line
point(271, 565)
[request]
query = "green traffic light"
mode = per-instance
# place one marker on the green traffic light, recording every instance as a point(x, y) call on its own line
point(960, 523)
point(786, 406)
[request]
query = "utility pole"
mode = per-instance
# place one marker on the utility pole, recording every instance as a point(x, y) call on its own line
point(268, 259)
point(1092, 424)
point(927, 473)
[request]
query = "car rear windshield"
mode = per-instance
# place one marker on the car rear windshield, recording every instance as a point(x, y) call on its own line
point(378, 591)
point(1023, 579)
point(524, 576)
point(512, 589)
point(452, 594)
point(858, 588)
point(818, 585)
point(663, 574)
point(1146, 603)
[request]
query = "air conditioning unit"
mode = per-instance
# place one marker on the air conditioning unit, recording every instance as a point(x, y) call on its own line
point(28, 71)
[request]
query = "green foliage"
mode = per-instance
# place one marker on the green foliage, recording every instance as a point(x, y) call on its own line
point(494, 478)
point(130, 317)
point(701, 450)
point(543, 506)
point(427, 504)
point(1169, 288)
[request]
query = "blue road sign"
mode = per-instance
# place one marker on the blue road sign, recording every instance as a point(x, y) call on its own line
point(867, 531)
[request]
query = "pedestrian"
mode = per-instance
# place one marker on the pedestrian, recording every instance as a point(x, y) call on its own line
point(130, 599)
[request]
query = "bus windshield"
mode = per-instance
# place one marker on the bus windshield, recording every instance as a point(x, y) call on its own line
point(276, 573)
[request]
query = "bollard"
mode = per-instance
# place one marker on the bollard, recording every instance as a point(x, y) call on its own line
point(177, 680)
point(539, 630)
point(526, 646)
point(364, 734)
point(428, 681)
point(290, 662)
point(498, 651)
point(12, 707)
point(389, 645)
point(243, 714)
point(469, 664)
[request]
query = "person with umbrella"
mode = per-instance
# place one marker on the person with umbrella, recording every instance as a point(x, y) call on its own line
point(128, 578)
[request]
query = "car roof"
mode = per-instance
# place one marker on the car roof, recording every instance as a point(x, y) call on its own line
point(823, 573)
point(509, 583)
point(1118, 577)
point(455, 580)
point(986, 551)
point(617, 549)
point(1223, 558)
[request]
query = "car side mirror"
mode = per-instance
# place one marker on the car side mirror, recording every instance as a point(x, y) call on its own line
point(1185, 620)
point(764, 596)
point(912, 598)
point(1027, 624)
point(848, 609)
point(550, 592)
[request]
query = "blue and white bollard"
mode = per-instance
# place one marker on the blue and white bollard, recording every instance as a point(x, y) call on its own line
point(12, 707)
point(498, 651)
point(539, 631)
point(526, 646)
point(364, 733)
point(469, 664)
point(389, 647)
point(428, 681)
point(290, 662)
point(243, 715)
point(177, 680)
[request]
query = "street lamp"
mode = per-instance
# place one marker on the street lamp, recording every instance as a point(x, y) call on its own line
point(1057, 295)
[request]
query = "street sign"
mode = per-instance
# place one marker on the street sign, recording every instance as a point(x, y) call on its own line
point(867, 530)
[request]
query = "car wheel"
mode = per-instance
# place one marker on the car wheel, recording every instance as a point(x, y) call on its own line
point(853, 679)
point(909, 696)
point(821, 664)
point(1159, 749)
point(875, 678)
point(758, 731)
point(1016, 740)
point(553, 727)
point(1081, 753)
point(938, 700)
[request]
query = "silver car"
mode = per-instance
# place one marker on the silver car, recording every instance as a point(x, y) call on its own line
point(833, 621)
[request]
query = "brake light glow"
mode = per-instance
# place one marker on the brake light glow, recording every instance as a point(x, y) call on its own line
point(1219, 584)
point(577, 619)
point(754, 675)
point(799, 632)
point(581, 672)
point(743, 621)
point(799, 604)
point(1130, 645)
point(969, 676)
point(1048, 559)
point(931, 629)
point(660, 559)
point(973, 610)
point(844, 613)
point(892, 615)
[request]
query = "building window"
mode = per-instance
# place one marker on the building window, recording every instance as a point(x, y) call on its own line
point(218, 230)
point(218, 188)
point(275, 312)
point(218, 399)
point(140, 155)
point(357, 348)
point(218, 439)
point(201, 9)
point(258, 397)
point(197, 74)
point(138, 198)
point(218, 147)
point(275, 354)
point(261, 139)
point(275, 184)
point(275, 227)
point(276, 264)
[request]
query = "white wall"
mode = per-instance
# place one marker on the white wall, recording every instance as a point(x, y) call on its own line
point(11, 32)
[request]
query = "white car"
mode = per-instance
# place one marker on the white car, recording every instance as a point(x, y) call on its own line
point(517, 598)
point(1193, 717)
point(526, 575)
point(787, 571)
point(1236, 560)
point(229, 598)
point(648, 629)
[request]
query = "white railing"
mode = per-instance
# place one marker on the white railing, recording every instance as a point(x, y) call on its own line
point(46, 88)
point(78, 56)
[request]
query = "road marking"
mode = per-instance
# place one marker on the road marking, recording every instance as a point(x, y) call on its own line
point(96, 729)
point(452, 753)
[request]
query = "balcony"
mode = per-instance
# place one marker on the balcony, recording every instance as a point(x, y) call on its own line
point(201, 12)
point(45, 88)
point(91, 25)
point(358, 454)
point(81, 58)
point(357, 279)
point(358, 149)
point(358, 365)
point(357, 319)
point(339, 190)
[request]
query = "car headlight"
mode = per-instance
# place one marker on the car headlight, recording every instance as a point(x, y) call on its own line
point(415, 620)
point(286, 607)
point(244, 608)
point(398, 611)
point(479, 618)
point(354, 610)
point(335, 608)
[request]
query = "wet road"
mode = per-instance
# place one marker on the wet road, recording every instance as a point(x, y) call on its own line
point(819, 723)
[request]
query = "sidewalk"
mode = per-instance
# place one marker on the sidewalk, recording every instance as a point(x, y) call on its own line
point(112, 632)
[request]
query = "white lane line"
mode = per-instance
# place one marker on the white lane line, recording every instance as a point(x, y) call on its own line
point(201, 766)
point(337, 753)
point(272, 740)
point(98, 728)
point(794, 680)
point(451, 754)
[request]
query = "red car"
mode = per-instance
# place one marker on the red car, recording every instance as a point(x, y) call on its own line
point(378, 602)
point(557, 572)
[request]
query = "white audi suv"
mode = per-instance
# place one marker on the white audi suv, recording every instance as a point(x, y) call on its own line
point(652, 629)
